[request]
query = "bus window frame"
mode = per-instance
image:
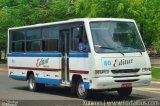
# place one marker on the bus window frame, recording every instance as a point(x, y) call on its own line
point(11, 41)
point(84, 32)
point(58, 48)
point(26, 51)
point(60, 26)
point(116, 21)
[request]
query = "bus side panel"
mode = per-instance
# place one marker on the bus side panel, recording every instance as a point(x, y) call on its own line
point(47, 77)
point(46, 68)
point(79, 65)
point(19, 74)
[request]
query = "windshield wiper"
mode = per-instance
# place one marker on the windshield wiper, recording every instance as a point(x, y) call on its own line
point(107, 47)
point(104, 47)
point(137, 50)
point(140, 52)
point(121, 53)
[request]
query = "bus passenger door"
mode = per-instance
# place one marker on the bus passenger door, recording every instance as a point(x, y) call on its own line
point(64, 36)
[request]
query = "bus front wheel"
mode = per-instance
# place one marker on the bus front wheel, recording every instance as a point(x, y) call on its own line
point(124, 92)
point(33, 86)
point(80, 89)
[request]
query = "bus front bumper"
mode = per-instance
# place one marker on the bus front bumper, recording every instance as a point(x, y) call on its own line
point(111, 82)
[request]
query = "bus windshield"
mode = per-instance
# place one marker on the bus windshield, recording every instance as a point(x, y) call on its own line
point(116, 37)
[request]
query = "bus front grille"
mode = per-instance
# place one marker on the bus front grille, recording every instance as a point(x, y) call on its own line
point(126, 76)
point(133, 80)
point(124, 71)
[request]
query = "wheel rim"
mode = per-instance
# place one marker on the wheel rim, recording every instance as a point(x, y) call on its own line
point(31, 83)
point(81, 89)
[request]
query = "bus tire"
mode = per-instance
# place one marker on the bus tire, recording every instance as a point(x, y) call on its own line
point(124, 92)
point(33, 86)
point(73, 87)
point(80, 89)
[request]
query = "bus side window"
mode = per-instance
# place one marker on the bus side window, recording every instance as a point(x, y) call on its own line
point(17, 41)
point(50, 38)
point(77, 33)
point(33, 40)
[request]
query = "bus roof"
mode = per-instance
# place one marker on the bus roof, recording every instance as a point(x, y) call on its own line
point(73, 20)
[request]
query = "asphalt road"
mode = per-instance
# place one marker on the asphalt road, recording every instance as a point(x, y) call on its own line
point(17, 90)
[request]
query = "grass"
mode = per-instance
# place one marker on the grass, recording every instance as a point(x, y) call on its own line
point(1, 62)
point(156, 73)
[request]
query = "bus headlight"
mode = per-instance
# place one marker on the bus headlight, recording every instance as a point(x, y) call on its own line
point(146, 69)
point(98, 72)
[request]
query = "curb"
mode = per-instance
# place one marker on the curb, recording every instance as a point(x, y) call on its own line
point(156, 67)
point(3, 71)
point(153, 79)
point(155, 82)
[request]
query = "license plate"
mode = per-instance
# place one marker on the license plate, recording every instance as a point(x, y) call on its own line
point(126, 85)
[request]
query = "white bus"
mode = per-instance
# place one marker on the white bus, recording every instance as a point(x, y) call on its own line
point(54, 54)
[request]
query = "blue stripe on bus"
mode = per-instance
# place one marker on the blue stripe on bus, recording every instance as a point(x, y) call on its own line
point(46, 55)
point(16, 77)
point(38, 80)
point(86, 85)
point(34, 55)
point(78, 54)
point(48, 81)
